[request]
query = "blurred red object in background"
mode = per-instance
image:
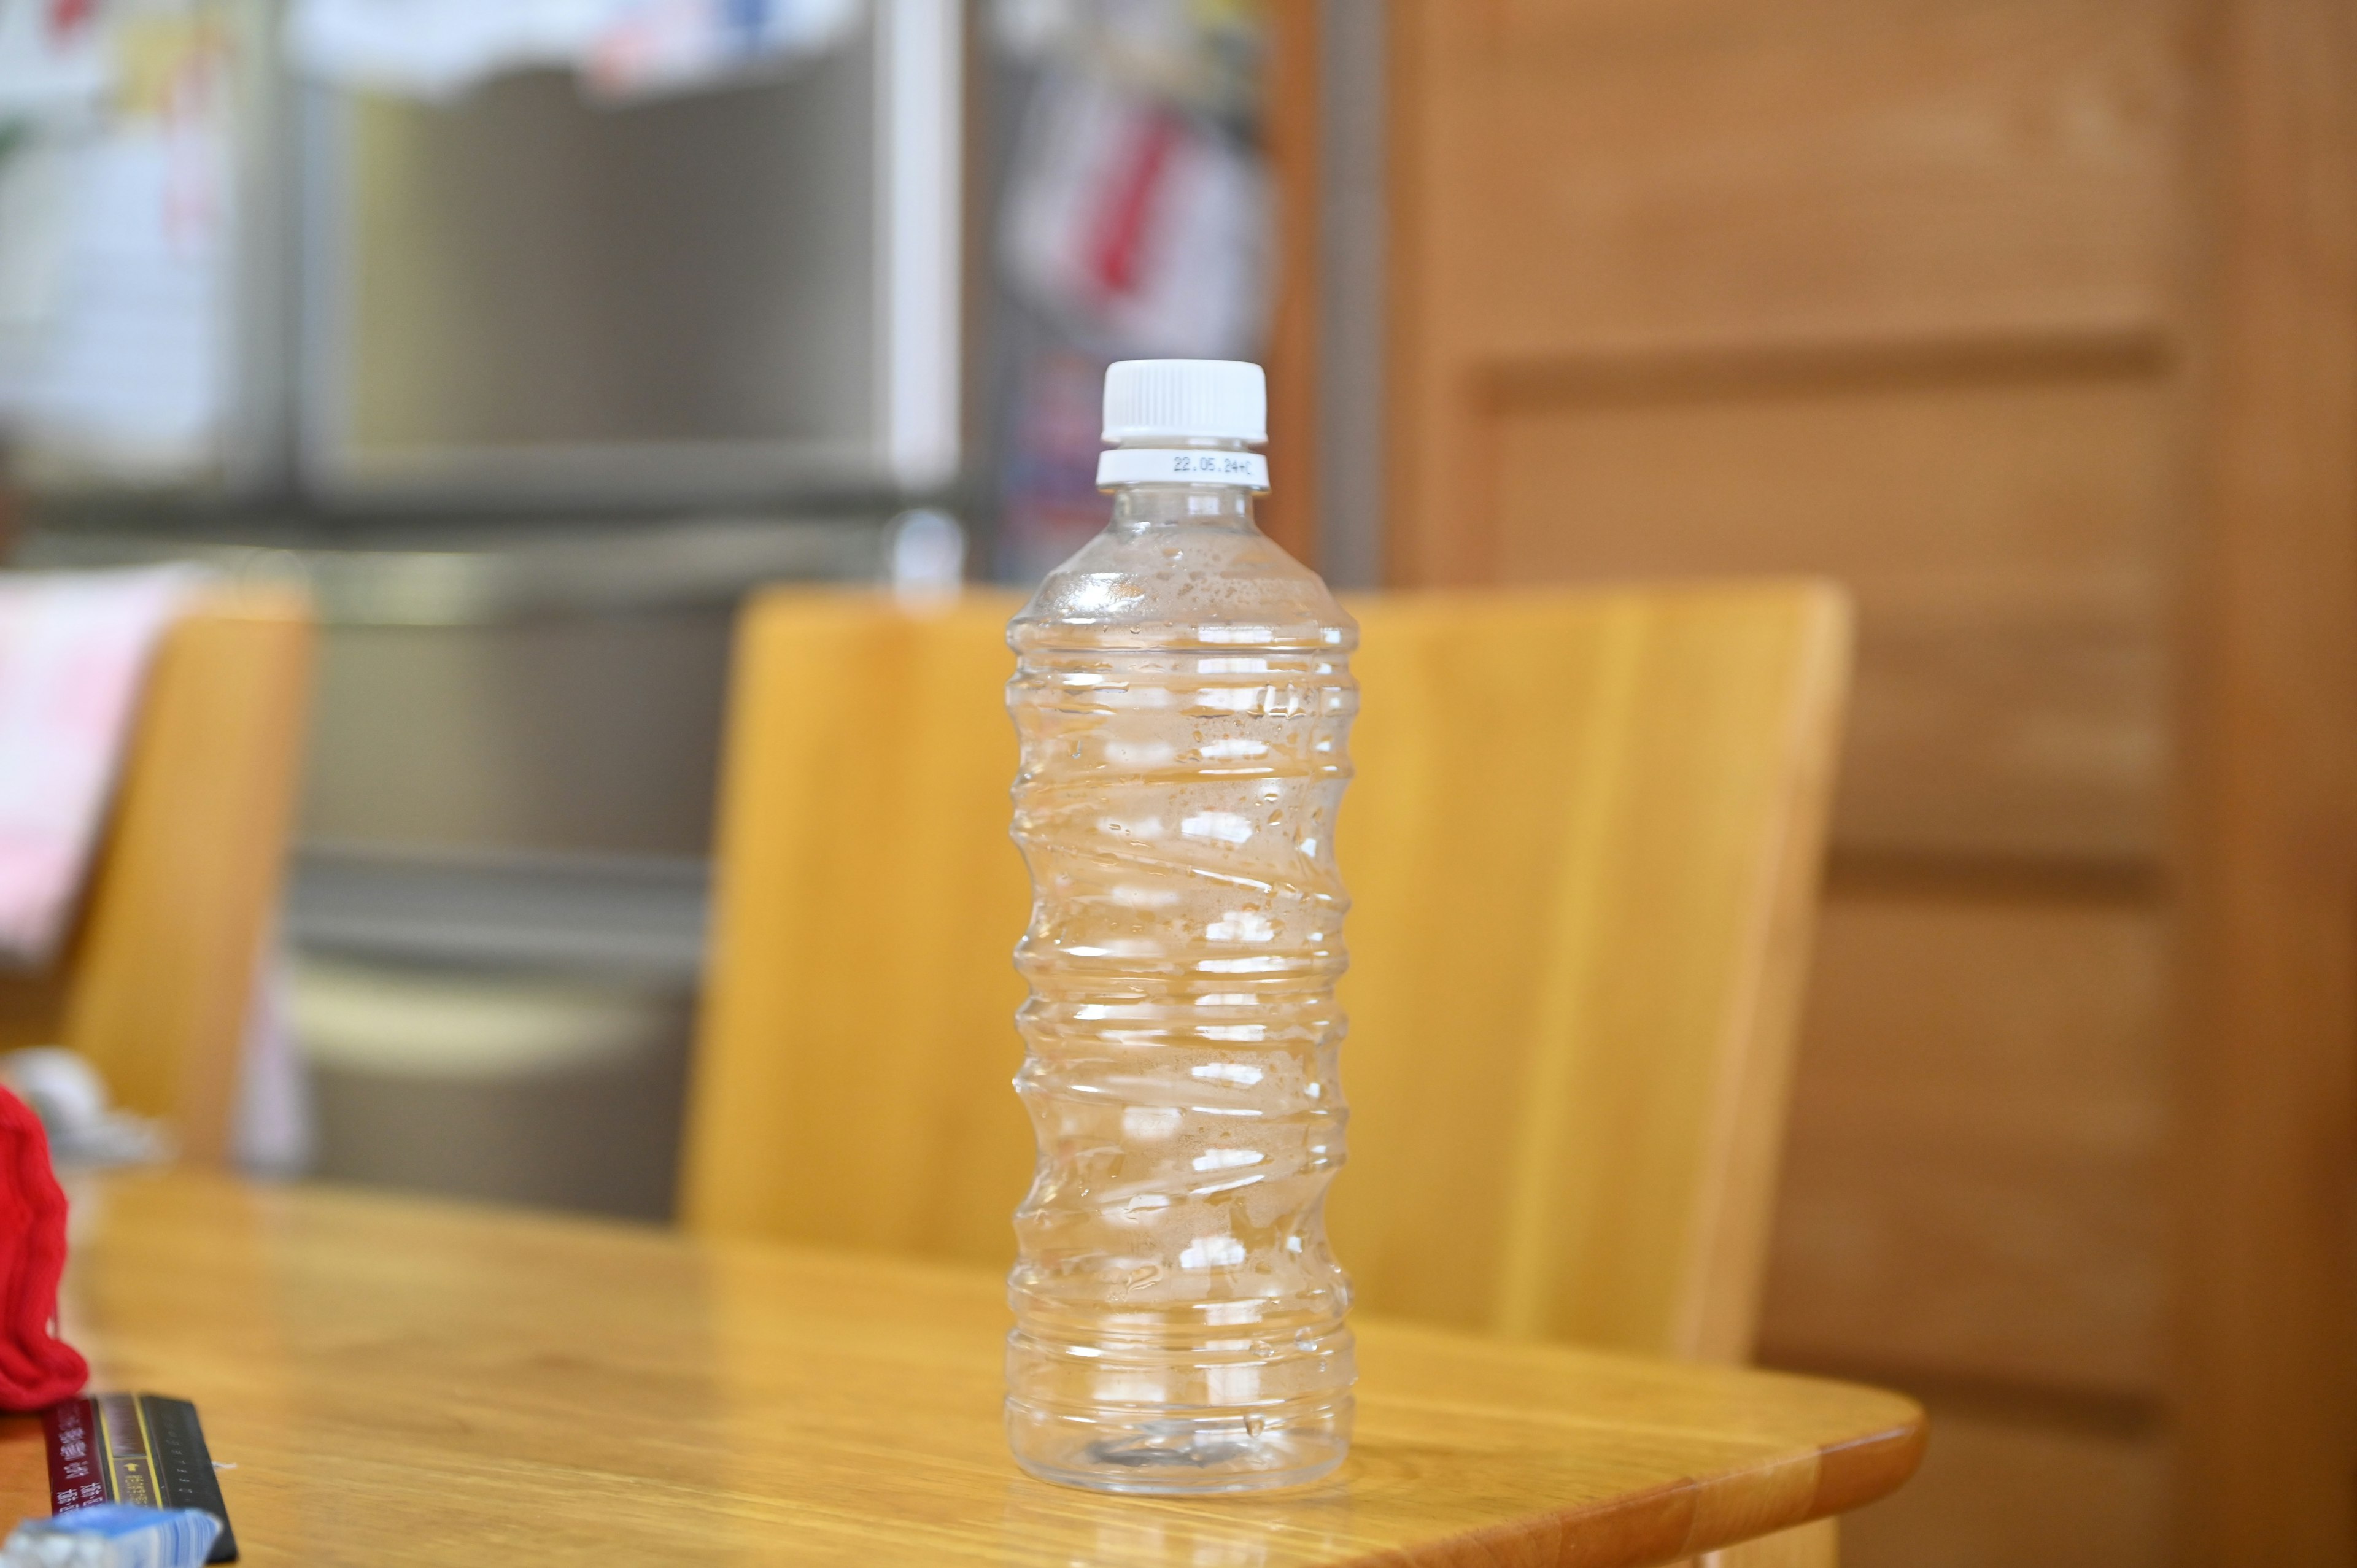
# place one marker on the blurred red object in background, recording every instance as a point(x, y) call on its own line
point(36, 1368)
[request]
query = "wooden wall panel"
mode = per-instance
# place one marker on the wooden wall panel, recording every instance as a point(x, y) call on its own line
point(1972, 1189)
point(1999, 1489)
point(2021, 479)
point(2001, 530)
point(1659, 176)
point(2009, 721)
point(1720, 169)
point(1895, 291)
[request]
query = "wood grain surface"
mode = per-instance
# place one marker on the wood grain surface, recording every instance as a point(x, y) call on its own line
point(1289, 513)
point(1582, 851)
point(1975, 1186)
point(2267, 960)
point(1905, 297)
point(402, 1383)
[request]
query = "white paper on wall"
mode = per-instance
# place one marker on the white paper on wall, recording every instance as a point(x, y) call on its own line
point(439, 49)
point(114, 285)
point(129, 371)
point(53, 60)
point(1136, 225)
point(35, 217)
point(54, 73)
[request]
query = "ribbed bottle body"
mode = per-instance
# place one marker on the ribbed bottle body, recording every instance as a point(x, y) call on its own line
point(1179, 1317)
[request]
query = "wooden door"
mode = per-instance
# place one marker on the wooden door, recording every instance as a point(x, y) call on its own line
point(1887, 290)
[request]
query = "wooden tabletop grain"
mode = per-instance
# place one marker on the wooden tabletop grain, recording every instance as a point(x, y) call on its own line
point(400, 1381)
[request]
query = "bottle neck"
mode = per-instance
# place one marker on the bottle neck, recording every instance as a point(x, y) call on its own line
point(1137, 509)
point(1156, 504)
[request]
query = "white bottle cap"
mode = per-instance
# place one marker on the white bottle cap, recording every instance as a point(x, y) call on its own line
point(1212, 398)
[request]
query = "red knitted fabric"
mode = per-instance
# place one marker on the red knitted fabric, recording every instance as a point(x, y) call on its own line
point(36, 1368)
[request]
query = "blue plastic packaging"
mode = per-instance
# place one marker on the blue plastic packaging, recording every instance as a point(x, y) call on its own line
point(113, 1535)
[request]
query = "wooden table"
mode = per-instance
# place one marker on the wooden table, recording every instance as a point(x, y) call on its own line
point(398, 1382)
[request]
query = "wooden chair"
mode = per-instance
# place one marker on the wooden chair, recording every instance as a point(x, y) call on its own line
point(1582, 850)
point(1582, 847)
point(157, 978)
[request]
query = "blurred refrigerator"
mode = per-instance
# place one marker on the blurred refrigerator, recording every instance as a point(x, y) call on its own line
point(531, 376)
point(719, 296)
point(239, 277)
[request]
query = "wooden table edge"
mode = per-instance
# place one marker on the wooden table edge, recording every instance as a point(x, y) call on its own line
point(1662, 1525)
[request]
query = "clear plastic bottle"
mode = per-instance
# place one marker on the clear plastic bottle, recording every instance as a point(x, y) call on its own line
point(1183, 696)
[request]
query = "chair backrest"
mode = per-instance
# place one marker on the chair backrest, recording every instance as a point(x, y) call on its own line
point(157, 979)
point(1583, 851)
point(856, 1042)
point(1582, 846)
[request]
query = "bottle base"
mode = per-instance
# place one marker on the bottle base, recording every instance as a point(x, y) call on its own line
point(1146, 1455)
